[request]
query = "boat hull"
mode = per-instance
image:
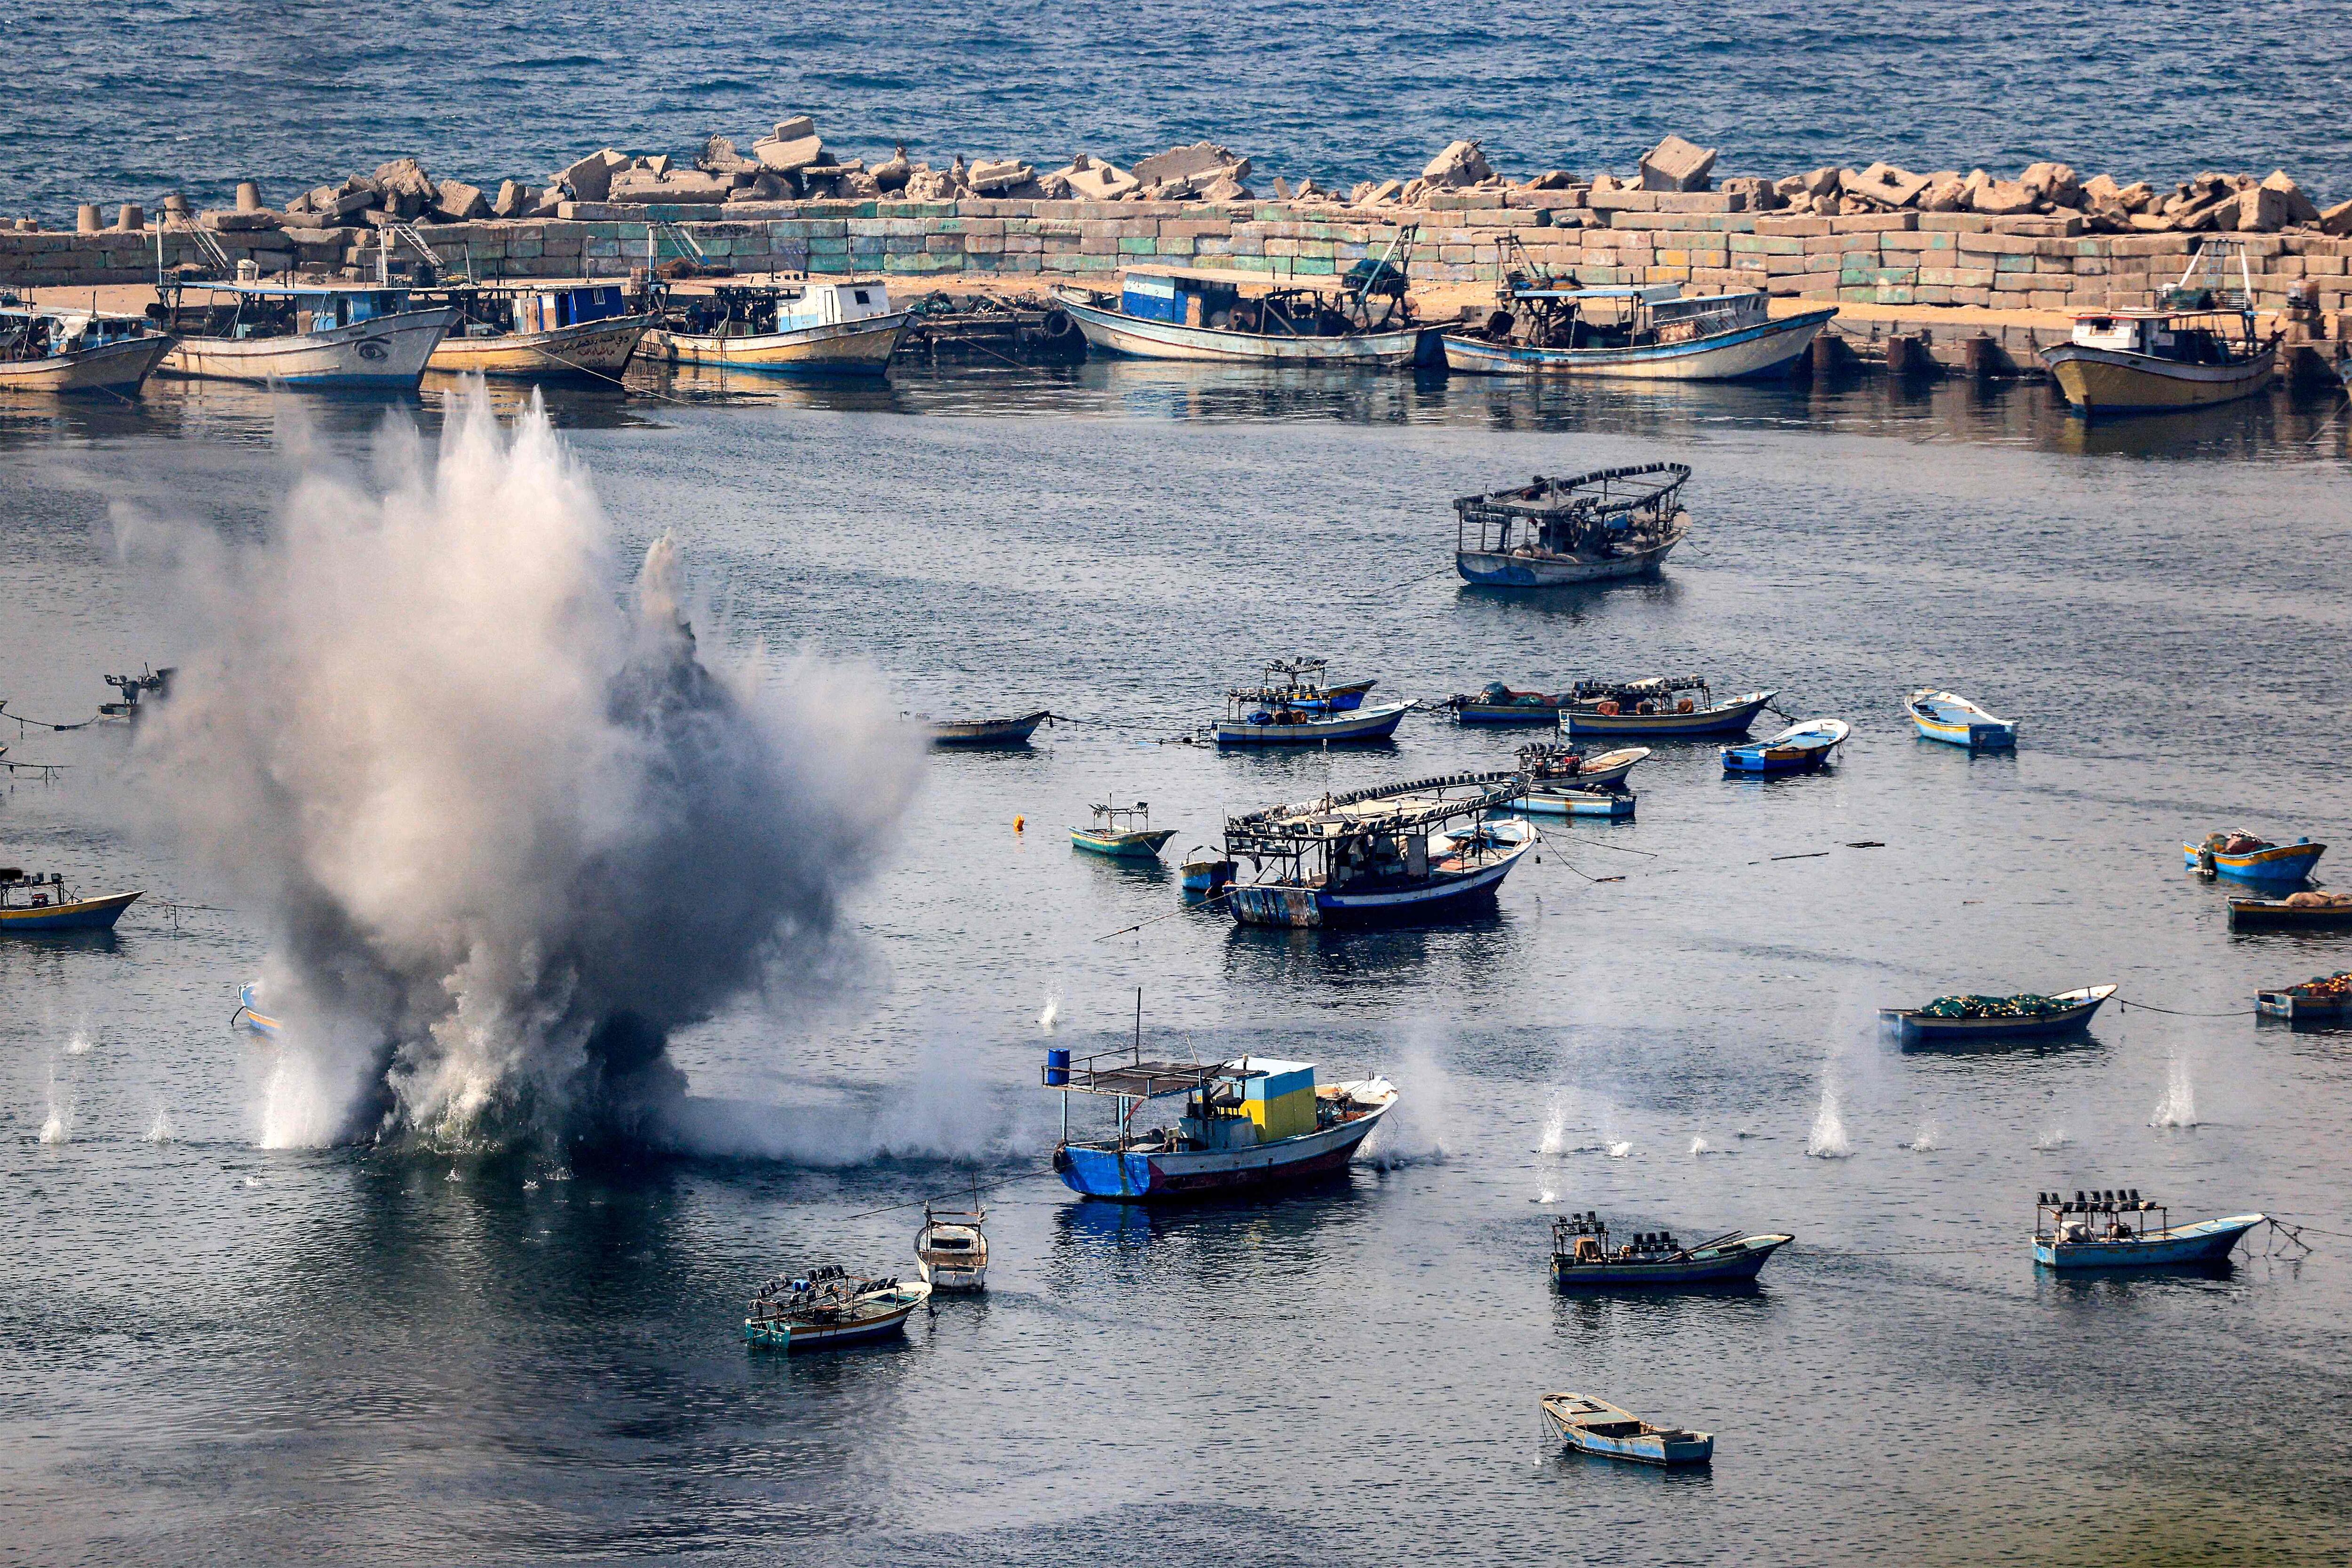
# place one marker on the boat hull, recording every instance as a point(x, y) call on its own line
point(1633, 1274)
point(2207, 1241)
point(389, 351)
point(120, 368)
point(845, 348)
point(2114, 381)
point(1132, 1177)
point(1362, 724)
point(1645, 1447)
point(1963, 723)
point(1916, 1026)
point(1490, 569)
point(1734, 718)
point(2280, 863)
point(988, 731)
point(2278, 914)
point(1138, 338)
point(1122, 846)
point(79, 914)
point(1442, 897)
point(1767, 348)
point(1765, 762)
point(2325, 1011)
point(592, 347)
point(1579, 803)
point(260, 1023)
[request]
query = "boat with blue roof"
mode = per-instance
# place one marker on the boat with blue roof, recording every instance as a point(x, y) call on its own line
point(544, 329)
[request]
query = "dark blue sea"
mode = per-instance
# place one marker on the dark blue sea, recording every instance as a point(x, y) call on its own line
point(126, 102)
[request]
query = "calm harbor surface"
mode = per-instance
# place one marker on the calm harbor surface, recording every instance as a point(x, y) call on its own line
point(218, 1353)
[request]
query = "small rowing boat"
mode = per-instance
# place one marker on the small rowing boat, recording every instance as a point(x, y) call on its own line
point(2247, 858)
point(44, 903)
point(2310, 909)
point(950, 1251)
point(2323, 1001)
point(1014, 731)
point(1596, 1427)
point(251, 1017)
point(1800, 748)
point(1122, 833)
point(1551, 800)
point(1206, 872)
point(2115, 1230)
point(1583, 1257)
point(1672, 705)
point(1954, 720)
point(1953, 1019)
point(828, 1307)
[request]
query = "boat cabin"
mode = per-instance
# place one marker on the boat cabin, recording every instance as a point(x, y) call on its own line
point(748, 310)
point(33, 332)
point(1660, 694)
point(2203, 337)
point(38, 890)
point(1238, 1104)
point(1370, 296)
point(276, 309)
point(1584, 1238)
point(492, 310)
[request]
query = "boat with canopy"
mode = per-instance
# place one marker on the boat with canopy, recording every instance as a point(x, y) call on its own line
point(828, 1307)
point(1593, 527)
point(1428, 849)
point(1666, 705)
point(2117, 1228)
point(1360, 318)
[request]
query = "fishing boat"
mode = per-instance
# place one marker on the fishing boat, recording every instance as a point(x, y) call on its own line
point(1583, 1257)
point(1596, 1427)
point(2323, 1001)
point(47, 350)
point(1800, 748)
point(1614, 805)
point(323, 335)
point(548, 330)
point(1358, 318)
point(1496, 703)
point(2120, 1229)
point(1607, 524)
point(1955, 1020)
point(1012, 732)
point(1348, 697)
point(1669, 705)
point(1206, 872)
point(2312, 910)
point(1954, 720)
point(1549, 766)
point(840, 327)
point(1543, 325)
point(828, 1307)
point(1123, 833)
point(1293, 706)
point(2199, 346)
point(37, 902)
point(951, 1250)
point(1251, 1122)
point(1378, 855)
point(2246, 859)
point(249, 1014)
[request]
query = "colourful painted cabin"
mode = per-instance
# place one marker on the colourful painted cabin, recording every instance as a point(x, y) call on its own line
point(1279, 1096)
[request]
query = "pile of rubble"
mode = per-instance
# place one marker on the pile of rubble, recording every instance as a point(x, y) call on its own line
point(2229, 202)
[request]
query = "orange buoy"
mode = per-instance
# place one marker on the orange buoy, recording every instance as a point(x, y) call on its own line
point(1018, 823)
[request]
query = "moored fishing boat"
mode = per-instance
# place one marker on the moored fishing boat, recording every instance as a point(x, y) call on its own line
point(2247, 858)
point(1249, 1122)
point(249, 1013)
point(1671, 705)
point(47, 350)
point(1360, 318)
point(323, 335)
point(44, 903)
point(1596, 527)
point(1593, 1426)
point(1496, 703)
point(1800, 748)
point(951, 1249)
point(1551, 766)
point(1294, 707)
point(1583, 1258)
point(1615, 805)
point(839, 327)
point(828, 1307)
point(1954, 1020)
point(545, 330)
point(1206, 872)
point(1122, 833)
point(2120, 1229)
point(2325, 1001)
point(1012, 732)
point(1954, 720)
point(2199, 346)
point(2311, 909)
point(1378, 855)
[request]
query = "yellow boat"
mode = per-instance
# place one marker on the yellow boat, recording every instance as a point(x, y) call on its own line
point(540, 329)
point(844, 327)
point(2200, 348)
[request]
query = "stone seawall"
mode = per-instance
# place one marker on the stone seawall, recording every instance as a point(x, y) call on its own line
point(1919, 262)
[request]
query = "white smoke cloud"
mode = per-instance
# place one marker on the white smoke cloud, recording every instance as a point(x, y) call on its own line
point(509, 827)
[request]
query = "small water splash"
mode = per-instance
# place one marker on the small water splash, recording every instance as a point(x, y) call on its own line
point(159, 1129)
point(1554, 1132)
point(2179, 1106)
point(253, 1181)
point(1927, 1140)
point(1828, 1140)
point(56, 1130)
point(1547, 1197)
point(1618, 1148)
point(79, 1043)
point(1699, 1145)
point(1053, 1011)
point(452, 1176)
point(2051, 1137)
point(531, 1183)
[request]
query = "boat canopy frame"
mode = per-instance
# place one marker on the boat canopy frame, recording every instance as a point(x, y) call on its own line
point(1582, 511)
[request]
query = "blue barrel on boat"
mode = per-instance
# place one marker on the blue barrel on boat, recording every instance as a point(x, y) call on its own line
point(1058, 1069)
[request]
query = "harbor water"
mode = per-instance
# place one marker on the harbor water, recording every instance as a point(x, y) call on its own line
point(222, 1351)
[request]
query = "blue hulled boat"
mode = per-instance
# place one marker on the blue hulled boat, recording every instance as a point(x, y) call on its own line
point(1952, 719)
point(1800, 748)
point(1583, 1257)
point(2246, 859)
point(43, 904)
point(2122, 1230)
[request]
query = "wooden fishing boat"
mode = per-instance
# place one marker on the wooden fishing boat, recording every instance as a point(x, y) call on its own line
point(1954, 720)
point(44, 903)
point(838, 327)
point(1123, 833)
point(1583, 1257)
point(1672, 705)
point(950, 1249)
point(1609, 524)
point(1496, 703)
point(1294, 707)
point(2322, 1001)
point(2309, 910)
point(47, 350)
point(829, 1307)
point(1358, 319)
point(1596, 1427)
point(2120, 1229)
point(1551, 766)
point(1206, 872)
point(1014, 731)
point(1953, 1020)
point(2246, 859)
point(325, 335)
point(249, 1014)
point(1253, 1122)
point(1380, 856)
point(2200, 346)
point(1614, 805)
point(1800, 748)
point(546, 330)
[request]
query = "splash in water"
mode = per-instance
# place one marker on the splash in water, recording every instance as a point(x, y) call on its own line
point(1053, 1011)
point(508, 832)
point(159, 1129)
point(57, 1127)
point(1699, 1145)
point(1828, 1140)
point(2048, 1138)
point(1618, 1148)
point(1555, 1132)
point(1926, 1140)
point(79, 1044)
point(2177, 1108)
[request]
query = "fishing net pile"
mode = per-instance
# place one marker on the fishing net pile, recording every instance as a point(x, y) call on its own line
point(2024, 1005)
point(2331, 985)
point(2314, 899)
point(2236, 843)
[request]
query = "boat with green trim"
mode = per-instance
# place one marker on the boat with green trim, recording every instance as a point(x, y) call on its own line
point(1122, 833)
point(828, 1307)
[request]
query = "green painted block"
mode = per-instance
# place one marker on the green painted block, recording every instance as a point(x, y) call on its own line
point(1138, 245)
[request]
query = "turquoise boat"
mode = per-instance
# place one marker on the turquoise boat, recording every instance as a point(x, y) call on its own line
point(829, 1307)
point(1122, 833)
point(1952, 719)
point(2246, 859)
point(2120, 1229)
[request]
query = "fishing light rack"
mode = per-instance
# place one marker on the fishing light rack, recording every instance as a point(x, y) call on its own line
point(1290, 830)
point(1581, 497)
